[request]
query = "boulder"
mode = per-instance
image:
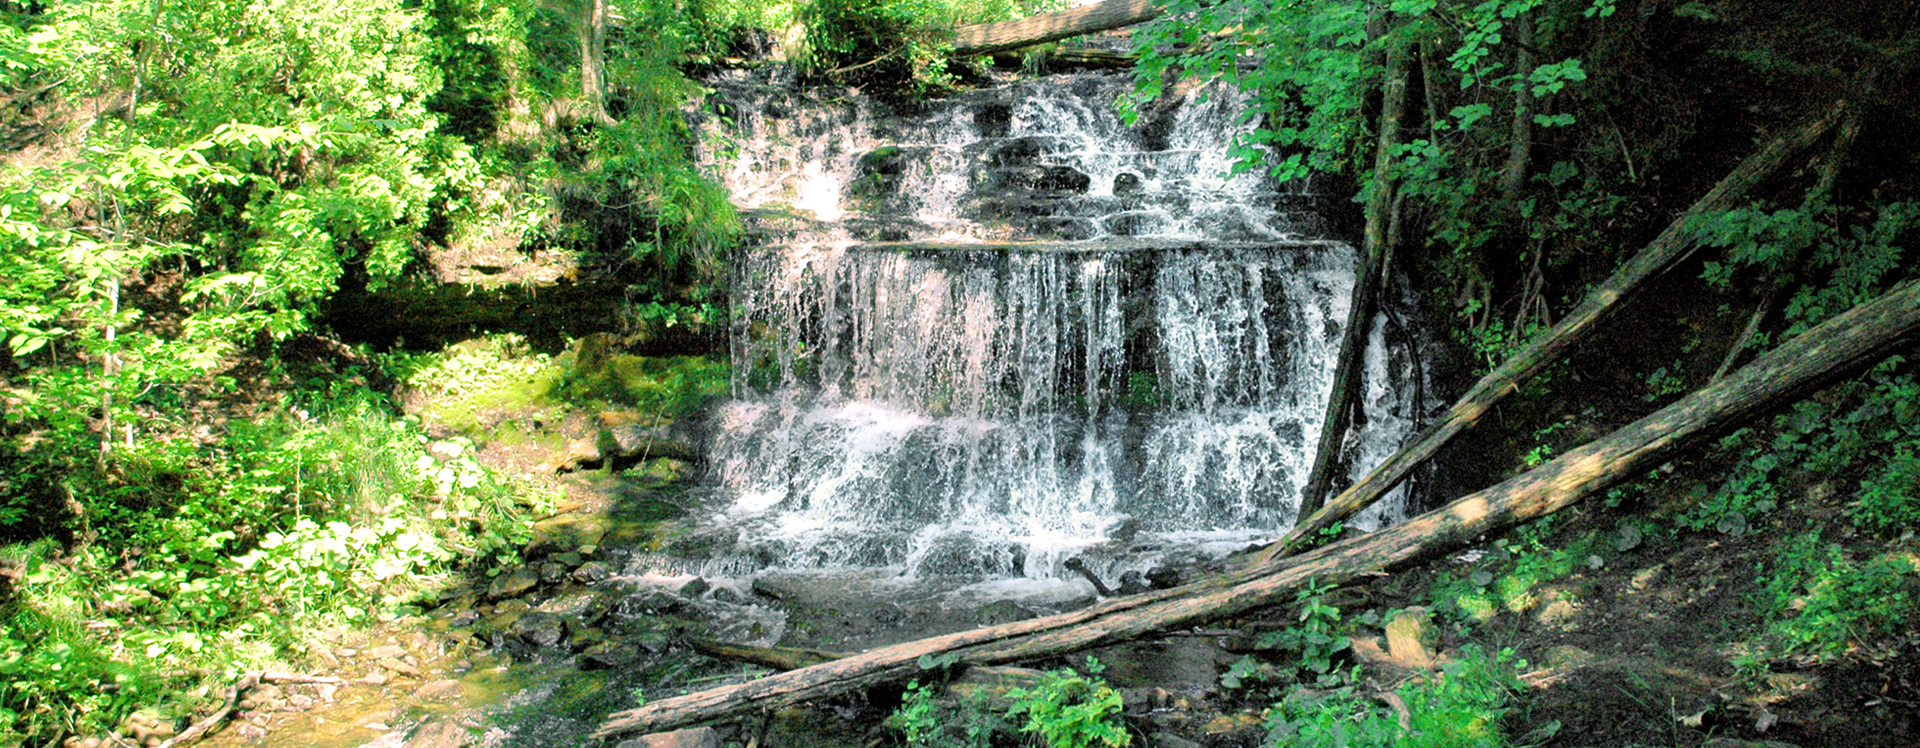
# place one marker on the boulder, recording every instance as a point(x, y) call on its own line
point(565, 534)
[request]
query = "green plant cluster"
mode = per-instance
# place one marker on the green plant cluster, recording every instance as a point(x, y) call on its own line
point(1870, 424)
point(1821, 598)
point(1064, 710)
point(1461, 707)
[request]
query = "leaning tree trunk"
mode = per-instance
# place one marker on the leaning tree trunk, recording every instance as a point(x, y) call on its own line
point(988, 38)
point(1666, 250)
point(1375, 249)
point(1800, 366)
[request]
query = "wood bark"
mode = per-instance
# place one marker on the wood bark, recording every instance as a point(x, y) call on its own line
point(988, 38)
point(593, 48)
point(1818, 357)
point(1666, 250)
point(1520, 140)
point(1374, 253)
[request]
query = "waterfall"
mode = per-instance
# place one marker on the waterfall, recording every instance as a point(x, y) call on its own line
point(1005, 329)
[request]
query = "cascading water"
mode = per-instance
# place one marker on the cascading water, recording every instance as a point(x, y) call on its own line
point(1014, 330)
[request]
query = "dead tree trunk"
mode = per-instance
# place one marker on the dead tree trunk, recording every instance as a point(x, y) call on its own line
point(1375, 249)
point(1673, 245)
point(1819, 356)
point(988, 38)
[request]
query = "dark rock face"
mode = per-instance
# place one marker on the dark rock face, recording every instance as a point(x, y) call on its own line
point(1041, 159)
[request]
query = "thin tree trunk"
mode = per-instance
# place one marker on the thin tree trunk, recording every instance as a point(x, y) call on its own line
point(593, 50)
point(1802, 365)
point(1673, 245)
point(1375, 249)
point(988, 38)
point(1520, 141)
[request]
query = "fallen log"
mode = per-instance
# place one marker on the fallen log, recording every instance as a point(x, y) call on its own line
point(988, 38)
point(778, 658)
point(1668, 249)
point(1798, 367)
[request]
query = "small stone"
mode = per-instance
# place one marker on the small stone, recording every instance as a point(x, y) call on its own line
point(440, 690)
point(552, 572)
point(301, 702)
point(388, 651)
point(513, 606)
point(400, 667)
point(606, 656)
point(374, 679)
point(572, 559)
point(514, 583)
point(694, 588)
point(440, 735)
point(465, 618)
point(698, 737)
point(1404, 633)
point(327, 690)
point(1164, 739)
point(653, 642)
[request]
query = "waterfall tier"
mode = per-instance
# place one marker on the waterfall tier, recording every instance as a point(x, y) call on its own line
point(1006, 329)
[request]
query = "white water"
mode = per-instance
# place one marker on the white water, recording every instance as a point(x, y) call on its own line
point(1139, 374)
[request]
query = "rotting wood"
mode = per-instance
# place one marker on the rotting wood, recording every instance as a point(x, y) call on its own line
point(1832, 350)
point(1668, 249)
point(988, 38)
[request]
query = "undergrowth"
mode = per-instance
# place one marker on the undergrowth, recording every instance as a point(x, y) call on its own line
point(206, 560)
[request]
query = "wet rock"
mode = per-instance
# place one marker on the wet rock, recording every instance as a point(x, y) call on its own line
point(1002, 611)
point(574, 602)
point(393, 651)
point(694, 587)
point(553, 572)
point(1164, 739)
point(1126, 184)
point(540, 629)
point(439, 735)
point(572, 559)
point(466, 617)
point(771, 587)
point(630, 434)
point(591, 572)
point(584, 637)
point(300, 701)
point(514, 583)
point(513, 606)
point(655, 602)
point(698, 737)
point(653, 642)
point(567, 533)
point(606, 656)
